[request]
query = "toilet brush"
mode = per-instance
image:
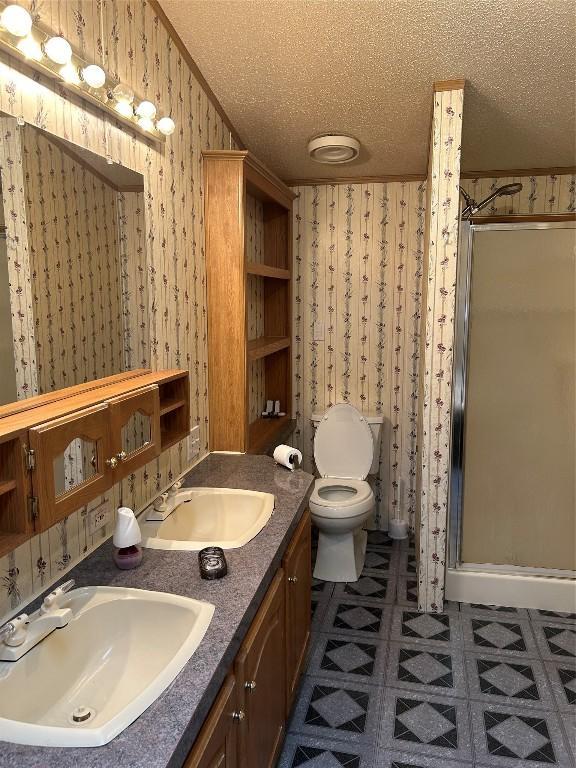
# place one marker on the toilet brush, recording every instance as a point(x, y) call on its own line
point(398, 528)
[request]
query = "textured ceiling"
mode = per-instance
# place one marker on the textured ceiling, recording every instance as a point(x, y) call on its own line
point(287, 70)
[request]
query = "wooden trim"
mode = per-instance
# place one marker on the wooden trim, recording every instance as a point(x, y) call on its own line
point(390, 179)
point(449, 85)
point(569, 170)
point(543, 217)
point(252, 163)
point(67, 404)
point(185, 53)
point(11, 409)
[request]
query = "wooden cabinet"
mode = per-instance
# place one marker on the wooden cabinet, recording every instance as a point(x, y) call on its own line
point(134, 430)
point(298, 569)
point(217, 743)
point(57, 454)
point(241, 193)
point(70, 462)
point(261, 682)
point(250, 715)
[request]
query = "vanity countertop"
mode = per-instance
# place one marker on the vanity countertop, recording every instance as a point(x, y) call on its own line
point(163, 735)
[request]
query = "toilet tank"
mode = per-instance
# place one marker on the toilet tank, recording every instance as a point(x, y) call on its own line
point(374, 421)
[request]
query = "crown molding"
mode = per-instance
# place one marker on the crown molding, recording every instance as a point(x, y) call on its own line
point(569, 170)
point(320, 182)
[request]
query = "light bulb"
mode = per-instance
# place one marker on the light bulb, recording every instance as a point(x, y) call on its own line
point(166, 126)
point(58, 50)
point(124, 108)
point(16, 20)
point(123, 93)
point(145, 123)
point(69, 73)
point(146, 109)
point(29, 48)
point(94, 76)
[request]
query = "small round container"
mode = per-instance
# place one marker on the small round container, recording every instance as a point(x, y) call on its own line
point(127, 558)
point(212, 563)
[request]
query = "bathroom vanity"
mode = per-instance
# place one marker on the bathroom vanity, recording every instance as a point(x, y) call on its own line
point(230, 703)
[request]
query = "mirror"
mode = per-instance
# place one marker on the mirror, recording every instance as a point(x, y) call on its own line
point(73, 274)
point(136, 433)
point(75, 466)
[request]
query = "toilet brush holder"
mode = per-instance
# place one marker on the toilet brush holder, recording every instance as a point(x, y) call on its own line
point(398, 529)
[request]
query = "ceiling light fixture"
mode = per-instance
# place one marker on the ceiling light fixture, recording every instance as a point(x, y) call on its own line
point(333, 149)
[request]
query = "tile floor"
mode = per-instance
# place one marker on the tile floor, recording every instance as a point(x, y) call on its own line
point(387, 687)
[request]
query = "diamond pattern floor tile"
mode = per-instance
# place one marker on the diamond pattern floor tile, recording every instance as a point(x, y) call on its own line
point(513, 736)
point(425, 724)
point(562, 678)
point(518, 682)
point(393, 759)
point(329, 709)
point(556, 642)
point(498, 612)
point(377, 588)
point(349, 658)
point(357, 617)
point(407, 591)
point(432, 628)
point(305, 752)
point(426, 668)
point(553, 616)
point(489, 635)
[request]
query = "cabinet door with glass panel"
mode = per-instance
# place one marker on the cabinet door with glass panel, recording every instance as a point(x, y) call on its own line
point(134, 430)
point(73, 462)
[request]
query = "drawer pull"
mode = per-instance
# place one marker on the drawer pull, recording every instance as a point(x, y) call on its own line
point(293, 579)
point(239, 715)
point(112, 463)
point(122, 456)
point(250, 685)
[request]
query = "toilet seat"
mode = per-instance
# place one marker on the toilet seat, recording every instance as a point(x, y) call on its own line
point(353, 505)
point(343, 444)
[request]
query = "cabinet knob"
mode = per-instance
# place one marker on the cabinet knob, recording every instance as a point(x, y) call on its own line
point(250, 685)
point(239, 715)
point(293, 579)
point(122, 456)
point(112, 463)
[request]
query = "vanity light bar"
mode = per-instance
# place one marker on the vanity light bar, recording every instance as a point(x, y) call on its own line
point(53, 55)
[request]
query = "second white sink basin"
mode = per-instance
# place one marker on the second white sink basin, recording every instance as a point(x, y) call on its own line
point(117, 654)
point(204, 517)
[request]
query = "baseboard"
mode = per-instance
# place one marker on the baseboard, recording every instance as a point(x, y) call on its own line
point(525, 591)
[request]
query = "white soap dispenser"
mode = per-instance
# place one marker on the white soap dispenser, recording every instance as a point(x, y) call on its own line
point(126, 540)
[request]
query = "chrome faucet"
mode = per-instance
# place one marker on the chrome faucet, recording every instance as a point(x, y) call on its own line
point(21, 634)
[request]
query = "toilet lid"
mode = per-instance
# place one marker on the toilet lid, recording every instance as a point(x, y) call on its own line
point(343, 445)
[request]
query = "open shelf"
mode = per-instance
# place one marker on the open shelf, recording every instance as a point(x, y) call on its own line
point(264, 270)
point(171, 405)
point(266, 433)
point(174, 411)
point(266, 345)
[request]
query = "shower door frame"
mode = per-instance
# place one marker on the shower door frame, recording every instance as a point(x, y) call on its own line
point(460, 362)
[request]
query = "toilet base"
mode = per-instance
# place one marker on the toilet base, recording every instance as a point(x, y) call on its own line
point(340, 556)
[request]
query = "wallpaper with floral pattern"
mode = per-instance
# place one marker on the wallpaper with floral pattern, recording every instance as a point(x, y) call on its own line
point(130, 42)
point(540, 195)
point(358, 257)
point(435, 402)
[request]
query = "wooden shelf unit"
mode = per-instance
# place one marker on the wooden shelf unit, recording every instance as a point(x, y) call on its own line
point(96, 411)
point(231, 176)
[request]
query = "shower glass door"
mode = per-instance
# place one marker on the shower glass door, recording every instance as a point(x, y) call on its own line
point(513, 485)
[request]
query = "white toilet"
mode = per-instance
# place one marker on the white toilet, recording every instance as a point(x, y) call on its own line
point(346, 451)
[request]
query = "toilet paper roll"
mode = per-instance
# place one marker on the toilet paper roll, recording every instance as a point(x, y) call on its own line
point(287, 456)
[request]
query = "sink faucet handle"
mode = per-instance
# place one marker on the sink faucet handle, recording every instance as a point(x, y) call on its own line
point(13, 633)
point(176, 487)
point(52, 600)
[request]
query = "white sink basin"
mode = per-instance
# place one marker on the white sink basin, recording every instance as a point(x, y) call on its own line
point(122, 648)
point(204, 517)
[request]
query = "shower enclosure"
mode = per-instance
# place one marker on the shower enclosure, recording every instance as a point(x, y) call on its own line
point(512, 530)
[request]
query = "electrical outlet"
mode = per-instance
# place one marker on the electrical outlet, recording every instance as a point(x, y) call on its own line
point(99, 516)
point(193, 443)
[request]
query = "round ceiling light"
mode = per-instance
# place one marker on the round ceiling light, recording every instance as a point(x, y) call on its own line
point(333, 149)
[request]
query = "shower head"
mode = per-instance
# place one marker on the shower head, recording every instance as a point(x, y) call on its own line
point(472, 207)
